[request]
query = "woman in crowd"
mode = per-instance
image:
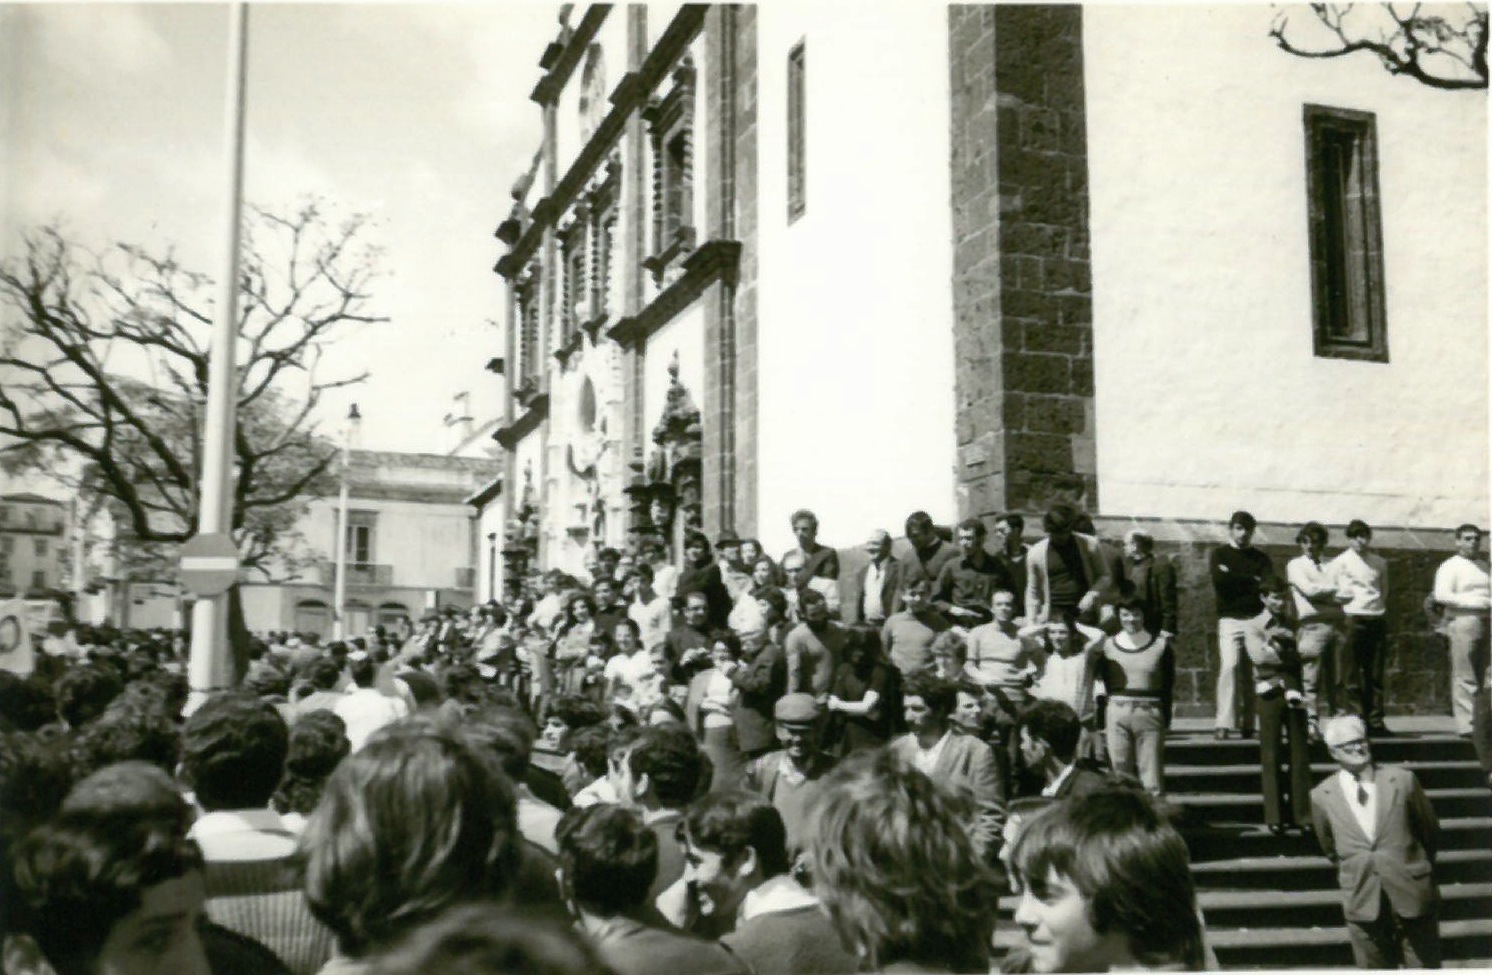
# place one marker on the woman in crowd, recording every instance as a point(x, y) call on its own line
point(710, 708)
point(894, 865)
point(572, 646)
point(949, 653)
point(863, 695)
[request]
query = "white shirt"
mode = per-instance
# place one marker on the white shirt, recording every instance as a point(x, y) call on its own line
point(1365, 814)
point(1050, 790)
point(654, 619)
point(1308, 583)
point(875, 583)
point(239, 835)
point(926, 759)
point(1061, 679)
point(1462, 583)
point(365, 710)
point(718, 689)
point(1365, 580)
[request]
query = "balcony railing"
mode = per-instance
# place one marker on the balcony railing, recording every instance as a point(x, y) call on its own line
point(358, 574)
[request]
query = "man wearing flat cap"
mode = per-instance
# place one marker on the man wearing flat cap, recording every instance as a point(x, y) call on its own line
point(789, 777)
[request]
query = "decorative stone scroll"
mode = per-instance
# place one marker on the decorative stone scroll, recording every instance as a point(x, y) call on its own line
point(521, 539)
point(665, 495)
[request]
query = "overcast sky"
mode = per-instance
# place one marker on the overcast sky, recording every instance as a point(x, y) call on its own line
point(112, 121)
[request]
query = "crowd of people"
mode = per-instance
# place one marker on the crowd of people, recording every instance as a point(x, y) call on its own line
point(760, 768)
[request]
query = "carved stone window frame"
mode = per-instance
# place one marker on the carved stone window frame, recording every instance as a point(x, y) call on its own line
point(526, 297)
point(603, 203)
point(573, 237)
point(670, 121)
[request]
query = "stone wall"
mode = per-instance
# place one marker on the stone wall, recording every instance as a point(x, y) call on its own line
point(1023, 332)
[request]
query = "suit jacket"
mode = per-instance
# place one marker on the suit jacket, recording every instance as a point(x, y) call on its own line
point(1038, 593)
point(1079, 782)
point(967, 768)
point(1396, 862)
point(1155, 585)
point(912, 566)
point(761, 681)
point(852, 606)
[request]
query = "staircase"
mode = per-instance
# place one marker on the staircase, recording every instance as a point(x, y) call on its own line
point(1272, 902)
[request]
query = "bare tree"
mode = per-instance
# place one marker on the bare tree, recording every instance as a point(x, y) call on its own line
point(1439, 45)
point(103, 375)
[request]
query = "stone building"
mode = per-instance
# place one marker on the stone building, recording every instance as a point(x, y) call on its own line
point(32, 541)
point(873, 258)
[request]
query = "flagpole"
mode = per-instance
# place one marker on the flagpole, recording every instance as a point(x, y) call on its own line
point(211, 662)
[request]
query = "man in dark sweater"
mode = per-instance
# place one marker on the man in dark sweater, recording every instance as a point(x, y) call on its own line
point(928, 555)
point(966, 584)
point(737, 886)
point(1236, 570)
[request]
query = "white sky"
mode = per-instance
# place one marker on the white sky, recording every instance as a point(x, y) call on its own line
point(112, 121)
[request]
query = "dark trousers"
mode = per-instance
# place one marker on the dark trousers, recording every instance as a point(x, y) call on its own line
point(1283, 734)
point(1481, 729)
point(1395, 942)
point(1360, 668)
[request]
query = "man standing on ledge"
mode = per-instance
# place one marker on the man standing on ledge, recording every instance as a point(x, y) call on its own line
point(1362, 586)
point(813, 560)
point(1463, 594)
point(928, 555)
point(1236, 570)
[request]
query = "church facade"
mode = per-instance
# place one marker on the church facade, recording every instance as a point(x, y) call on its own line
point(874, 258)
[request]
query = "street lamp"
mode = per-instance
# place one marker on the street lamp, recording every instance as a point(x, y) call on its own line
point(339, 600)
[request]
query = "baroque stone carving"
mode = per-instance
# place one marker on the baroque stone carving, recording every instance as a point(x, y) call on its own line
point(521, 539)
point(666, 492)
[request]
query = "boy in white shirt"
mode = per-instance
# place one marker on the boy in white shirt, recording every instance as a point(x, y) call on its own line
point(1362, 588)
point(1463, 594)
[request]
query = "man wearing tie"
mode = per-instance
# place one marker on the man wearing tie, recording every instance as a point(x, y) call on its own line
point(1377, 827)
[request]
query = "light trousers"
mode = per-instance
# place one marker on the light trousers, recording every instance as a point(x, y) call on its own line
point(1468, 638)
point(1136, 730)
point(1235, 674)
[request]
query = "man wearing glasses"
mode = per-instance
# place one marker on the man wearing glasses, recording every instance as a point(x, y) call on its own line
point(1377, 827)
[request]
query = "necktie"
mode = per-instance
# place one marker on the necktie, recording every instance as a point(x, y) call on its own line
point(1362, 793)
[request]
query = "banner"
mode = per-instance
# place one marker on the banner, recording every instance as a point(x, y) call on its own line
point(16, 654)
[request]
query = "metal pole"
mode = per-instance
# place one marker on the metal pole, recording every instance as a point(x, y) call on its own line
point(211, 664)
point(339, 597)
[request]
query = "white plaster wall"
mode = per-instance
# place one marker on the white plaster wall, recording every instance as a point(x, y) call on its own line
point(855, 311)
point(490, 521)
point(1208, 396)
point(425, 543)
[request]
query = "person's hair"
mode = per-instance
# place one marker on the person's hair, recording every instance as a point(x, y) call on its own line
point(608, 856)
point(1144, 541)
point(35, 775)
point(1242, 519)
point(608, 554)
point(509, 735)
point(695, 594)
point(132, 788)
point(668, 706)
point(729, 822)
point(1312, 531)
point(776, 599)
point(1357, 528)
point(695, 539)
point(1015, 520)
point(362, 671)
point(895, 867)
point(422, 688)
point(810, 597)
point(803, 514)
point(1129, 864)
point(627, 623)
point(1059, 518)
point(489, 938)
point(74, 879)
point(1053, 722)
point(463, 683)
point(323, 673)
point(26, 703)
point(421, 818)
point(1468, 527)
point(973, 525)
point(84, 692)
point(267, 680)
point(917, 521)
point(917, 582)
point(860, 636)
point(1131, 603)
point(590, 747)
point(643, 571)
point(138, 729)
point(1351, 725)
point(318, 743)
point(671, 760)
point(576, 711)
point(579, 597)
point(939, 694)
point(233, 751)
point(950, 641)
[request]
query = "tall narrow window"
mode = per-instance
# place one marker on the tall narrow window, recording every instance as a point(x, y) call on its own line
point(360, 537)
point(796, 186)
point(1346, 234)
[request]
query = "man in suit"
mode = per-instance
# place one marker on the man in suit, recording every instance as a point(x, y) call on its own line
point(1049, 733)
point(962, 764)
point(1378, 829)
point(876, 584)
